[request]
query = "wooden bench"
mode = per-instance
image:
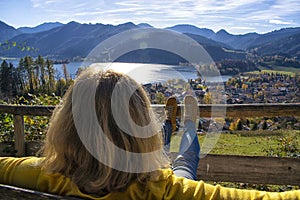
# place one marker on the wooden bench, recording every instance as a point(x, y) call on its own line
point(226, 168)
point(10, 192)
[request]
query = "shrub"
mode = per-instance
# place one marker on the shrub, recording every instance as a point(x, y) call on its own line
point(35, 126)
point(286, 147)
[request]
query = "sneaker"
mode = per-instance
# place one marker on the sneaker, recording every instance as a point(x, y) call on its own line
point(171, 109)
point(190, 108)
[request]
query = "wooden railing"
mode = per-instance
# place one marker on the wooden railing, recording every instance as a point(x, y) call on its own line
point(249, 169)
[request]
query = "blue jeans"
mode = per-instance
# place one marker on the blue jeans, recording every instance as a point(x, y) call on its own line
point(186, 163)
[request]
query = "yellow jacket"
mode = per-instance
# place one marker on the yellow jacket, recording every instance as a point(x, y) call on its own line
point(26, 173)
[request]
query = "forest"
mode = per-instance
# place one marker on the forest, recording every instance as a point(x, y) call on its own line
point(31, 76)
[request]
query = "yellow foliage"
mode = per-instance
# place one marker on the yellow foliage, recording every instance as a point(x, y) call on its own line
point(28, 120)
point(232, 126)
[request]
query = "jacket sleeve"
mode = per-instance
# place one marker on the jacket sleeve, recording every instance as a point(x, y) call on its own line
point(26, 172)
point(22, 172)
point(181, 188)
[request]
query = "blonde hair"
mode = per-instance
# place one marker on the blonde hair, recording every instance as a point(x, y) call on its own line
point(65, 152)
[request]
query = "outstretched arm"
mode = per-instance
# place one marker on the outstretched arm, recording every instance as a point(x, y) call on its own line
point(21, 172)
point(26, 172)
point(182, 188)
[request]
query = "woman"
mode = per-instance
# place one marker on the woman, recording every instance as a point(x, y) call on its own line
point(75, 149)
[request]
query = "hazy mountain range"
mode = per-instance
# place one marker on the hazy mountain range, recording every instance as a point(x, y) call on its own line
point(40, 28)
point(66, 41)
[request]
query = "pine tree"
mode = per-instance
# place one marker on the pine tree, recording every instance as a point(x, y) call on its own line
point(265, 125)
point(40, 67)
point(239, 125)
point(51, 80)
point(254, 127)
point(28, 65)
point(3, 81)
point(6, 79)
point(22, 77)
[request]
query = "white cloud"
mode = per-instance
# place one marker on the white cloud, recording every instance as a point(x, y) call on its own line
point(243, 14)
point(277, 21)
point(243, 28)
point(279, 9)
point(43, 4)
point(121, 10)
point(128, 3)
point(36, 3)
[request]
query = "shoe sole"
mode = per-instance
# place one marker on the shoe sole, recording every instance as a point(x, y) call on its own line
point(191, 102)
point(173, 102)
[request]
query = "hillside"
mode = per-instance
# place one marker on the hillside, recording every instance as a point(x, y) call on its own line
point(77, 40)
point(282, 34)
point(235, 41)
point(66, 41)
point(219, 51)
point(145, 25)
point(267, 44)
point(287, 46)
point(190, 29)
point(40, 28)
point(7, 32)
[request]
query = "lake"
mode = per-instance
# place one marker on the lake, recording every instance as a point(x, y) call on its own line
point(142, 73)
point(148, 73)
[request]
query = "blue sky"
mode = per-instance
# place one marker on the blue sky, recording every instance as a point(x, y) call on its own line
point(235, 16)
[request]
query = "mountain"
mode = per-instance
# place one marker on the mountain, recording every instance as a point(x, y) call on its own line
point(284, 41)
point(145, 25)
point(287, 46)
point(67, 41)
point(40, 28)
point(185, 28)
point(77, 40)
point(252, 40)
point(273, 36)
point(235, 41)
point(206, 41)
point(217, 50)
point(222, 35)
point(7, 32)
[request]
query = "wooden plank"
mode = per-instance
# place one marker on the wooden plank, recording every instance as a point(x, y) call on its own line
point(242, 110)
point(27, 110)
point(252, 110)
point(231, 110)
point(19, 135)
point(12, 192)
point(250, 169)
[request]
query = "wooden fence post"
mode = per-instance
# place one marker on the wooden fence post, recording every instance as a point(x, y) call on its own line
point(19, 135)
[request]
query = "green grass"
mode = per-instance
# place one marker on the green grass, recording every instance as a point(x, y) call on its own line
point(289, 69)
point(262, 187)
point(279, 69)
point(252, 143)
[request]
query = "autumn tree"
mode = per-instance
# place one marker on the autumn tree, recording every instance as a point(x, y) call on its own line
point(40, 68)
point(28, 65)
point(51, 79)
point(160, 98)
point(239, 125)
point(6, 78)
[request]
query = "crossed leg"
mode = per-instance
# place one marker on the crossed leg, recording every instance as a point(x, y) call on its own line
point(186, 163)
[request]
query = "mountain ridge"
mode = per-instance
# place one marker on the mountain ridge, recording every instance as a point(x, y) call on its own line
point(7, 32)
point(187, 28)
point(77, 40)
point(40, 28)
